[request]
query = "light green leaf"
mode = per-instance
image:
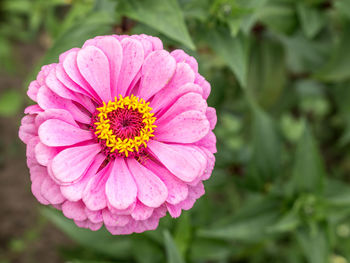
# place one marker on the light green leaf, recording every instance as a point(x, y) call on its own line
point(311, 19)
point(233, 50)
point(100, 241)
point(249, 225)
point(173, 254)
point(10, 102)
point(314, 244)
point(182, 233)
point(308, 171)
point(163, 15)
point(286, 223)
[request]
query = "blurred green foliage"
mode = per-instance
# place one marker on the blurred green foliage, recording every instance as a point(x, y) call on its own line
point(280, 77)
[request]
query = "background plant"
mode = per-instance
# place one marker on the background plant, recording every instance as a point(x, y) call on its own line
point(280, 76)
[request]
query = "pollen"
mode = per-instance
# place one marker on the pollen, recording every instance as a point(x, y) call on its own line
point(125, 125)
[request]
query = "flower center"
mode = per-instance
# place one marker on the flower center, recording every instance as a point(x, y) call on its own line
point(124, 126)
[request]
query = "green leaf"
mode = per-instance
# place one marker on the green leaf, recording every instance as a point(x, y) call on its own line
point(10, 102)
point(338, 67)
point(163, 15)
point(267, 71)
point(311, 19)
point(315, 245)
point(145, 250)
point(173, 254)
point(266, 150)
point(278, 16)
point(233, 50)
point(308, 170)
point(100, 241)
point(249, 225)
point(204, 250)
point(286, 223)
point(182, 233)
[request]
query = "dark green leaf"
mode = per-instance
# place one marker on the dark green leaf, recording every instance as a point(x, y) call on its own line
point(266, 150)
point(267, 71)
point(311, 19)
point(164, 15)
point(338, 67)
point(233, 50)
point(308, 171)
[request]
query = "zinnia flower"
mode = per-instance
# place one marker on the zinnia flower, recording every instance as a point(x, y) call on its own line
point(121, 133)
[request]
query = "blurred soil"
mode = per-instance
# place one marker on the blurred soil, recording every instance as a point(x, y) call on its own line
point(25, 236)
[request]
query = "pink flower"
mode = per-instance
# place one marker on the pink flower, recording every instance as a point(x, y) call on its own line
point(121, 133)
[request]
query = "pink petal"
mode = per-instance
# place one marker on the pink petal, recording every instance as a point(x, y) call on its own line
point(189, 101)
point(204, 84)
point(74, 210)
point(33, 90)
point(71, 69)
point(114, 52)
point(161, 62)
point(94, 216)
point(33, 109)
point(94, 67)
point(56, 133)
point(57, 87)
point(212, 118)
point(63, 77)
point(181, 56)
point(141, 212)
point(114, 220)
point(133, 58)
point(121, 189)
point(74, 192)
point(165, 99)
point(70, 164)
point(94, 195)
point(44, 154)
point(58, 114)
point(208, 141)
point(50, 100)
point(177, 190)
point(185, 162)
point(51, 191)
point(151, 190)
point(187, 127)
point(174, 210)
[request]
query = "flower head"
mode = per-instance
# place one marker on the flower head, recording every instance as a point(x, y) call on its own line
point(120, 133)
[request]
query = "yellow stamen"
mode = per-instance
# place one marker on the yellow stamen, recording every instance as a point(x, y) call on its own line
point(103, 128)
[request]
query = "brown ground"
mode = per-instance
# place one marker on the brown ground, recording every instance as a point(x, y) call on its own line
point(25, 235)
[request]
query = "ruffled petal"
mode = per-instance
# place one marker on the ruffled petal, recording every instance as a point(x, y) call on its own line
point(114, 52)
point(177, 190)
point(121, 189)
point(133, 58)
point(94, 67)
point(94, 195)
point(70, 164)
point(56, 133)
point(185, 162)
point(151, 191)
point(74, 192)
point(187, 127)
point(161, 62)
